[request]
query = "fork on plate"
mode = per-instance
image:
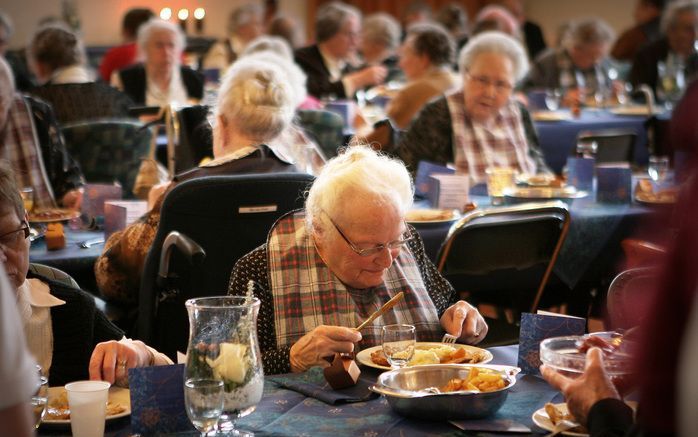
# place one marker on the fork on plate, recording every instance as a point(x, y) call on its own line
point(449, 339)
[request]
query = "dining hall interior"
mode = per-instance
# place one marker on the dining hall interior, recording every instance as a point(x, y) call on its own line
point(323, 217)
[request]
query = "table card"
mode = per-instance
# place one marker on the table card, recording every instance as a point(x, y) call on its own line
point(536, 328)
point(157, 400)
point(448, 191)
point(345, 108)
point(94, 198)
point(424, 170)
point(613, 183)
point(580, 172)
point(119, 214)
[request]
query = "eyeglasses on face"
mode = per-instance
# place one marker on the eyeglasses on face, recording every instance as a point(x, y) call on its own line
point(501, 86)
point(368, 251)
point(13, 238)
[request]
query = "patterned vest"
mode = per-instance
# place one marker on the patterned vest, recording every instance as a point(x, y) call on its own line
point(307, 294)
point(500, 144)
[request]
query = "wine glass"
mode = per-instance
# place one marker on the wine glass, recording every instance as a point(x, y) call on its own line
point(40, 398)
point(398, 344)
point(27, 194)
point(552, 99)
point(658, 168)
point(204, 401)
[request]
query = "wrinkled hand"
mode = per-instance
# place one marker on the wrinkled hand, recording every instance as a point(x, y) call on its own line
point(72, 199)
point(368, 76)
point(583, 392)
point(110, 359)
point(323, 341)
point(465, 322)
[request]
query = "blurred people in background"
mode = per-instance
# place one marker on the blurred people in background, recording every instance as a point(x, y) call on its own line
point(30, 140)
point(285, 27)
point(328, 63)
point(455, 20)
point(124, 55)
point(255, 104)
point(416, 11)
point(17, 59)
point(580, 67)
point(56, 55)
point(244, 25)
point(161, 79)
point(675, 52)
point(647, 15)
point(481, 125)
point(380, 39)
point(495, 18)
point(532, 34)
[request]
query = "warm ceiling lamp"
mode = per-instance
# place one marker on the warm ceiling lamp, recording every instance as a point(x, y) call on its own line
point(183, 14)
point(166, 13)
point(199, 13)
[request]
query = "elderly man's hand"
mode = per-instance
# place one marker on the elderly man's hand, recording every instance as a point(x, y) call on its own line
point(465, 322)
point(323, 341)
point(583, 392)
point(73, 199)
point(110, 359)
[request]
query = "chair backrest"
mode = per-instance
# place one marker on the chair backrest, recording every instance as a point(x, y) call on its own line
point(325, 127)
point(73, 102)
point(614, 145)
point(629, 296)
point(228, 216)
point(54, 274)
point(108, 150)
point(505, 252)
point(195, 137)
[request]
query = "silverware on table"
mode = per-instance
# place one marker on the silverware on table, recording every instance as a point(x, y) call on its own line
point(89, 243)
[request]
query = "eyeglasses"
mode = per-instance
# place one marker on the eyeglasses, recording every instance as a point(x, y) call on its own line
point(12, 239)
point(397, 244)
point(500, 86)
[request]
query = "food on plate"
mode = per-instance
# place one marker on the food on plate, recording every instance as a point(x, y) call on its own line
point(49, 214)
point(542, 180)
point(644, 192)
point(54, 236)
point(428, 215)
point(478, 379)
point(556, 416)
point(469, 206)
point(58, 408)
point(443, 354)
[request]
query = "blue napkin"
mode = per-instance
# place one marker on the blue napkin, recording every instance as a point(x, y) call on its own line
point(313, 384)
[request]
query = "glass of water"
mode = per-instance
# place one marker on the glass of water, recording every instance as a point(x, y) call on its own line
point(552, 99)
point(40, 398)
point(398, 344)
point(204, 401)
point(658, 168)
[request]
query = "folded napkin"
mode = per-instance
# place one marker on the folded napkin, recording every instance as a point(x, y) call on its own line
point(313, 384)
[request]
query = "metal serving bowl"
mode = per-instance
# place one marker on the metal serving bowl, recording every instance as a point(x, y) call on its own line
point(410, 392)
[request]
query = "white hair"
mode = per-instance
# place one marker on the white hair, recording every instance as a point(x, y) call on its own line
point(257, 98)
point(361, 171)
point(497, 43)
point(243, 15)
point(156, 25)
point(295, 75)
point(588, 31)
point(383, 29)
point(673, 10)
point(268, 43)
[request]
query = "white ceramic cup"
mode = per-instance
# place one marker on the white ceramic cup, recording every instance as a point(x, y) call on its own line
point(88, 407)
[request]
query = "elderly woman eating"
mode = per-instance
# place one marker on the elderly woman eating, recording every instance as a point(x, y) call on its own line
point(255, 104)
point(68, 336)
point(160, 80)
point(325, 269)
point(481, 125)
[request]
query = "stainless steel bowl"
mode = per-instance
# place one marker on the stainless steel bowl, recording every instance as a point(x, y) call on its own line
point(409, 392)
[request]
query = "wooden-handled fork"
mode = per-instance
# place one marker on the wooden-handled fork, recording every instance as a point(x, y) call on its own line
point(388, 305)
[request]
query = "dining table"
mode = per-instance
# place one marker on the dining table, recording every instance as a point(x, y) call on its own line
point(285, 411)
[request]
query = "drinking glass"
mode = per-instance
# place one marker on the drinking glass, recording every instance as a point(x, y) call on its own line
point(552, 99)
point(398, 344)
point(27, 194)
point(587, 149)
point(658, 168)
point(498, 180)
point(40, 398)
point(204, 401)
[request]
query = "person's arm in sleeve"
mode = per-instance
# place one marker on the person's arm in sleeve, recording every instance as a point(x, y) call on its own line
point(533, 142)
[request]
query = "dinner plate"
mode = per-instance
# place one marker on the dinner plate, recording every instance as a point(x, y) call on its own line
point(116, 394)
point(364, 356)
point(652, 199)
point(431, 215)
point(551, 116)
point(51, 215)
point(540, 418)
point(568, 192)
point(633, 110)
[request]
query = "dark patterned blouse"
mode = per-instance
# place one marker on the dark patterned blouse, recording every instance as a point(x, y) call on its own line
point(254, 266)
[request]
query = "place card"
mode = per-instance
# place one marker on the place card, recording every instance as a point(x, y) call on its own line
point(345, 108)
point(424, 170)
point(580, 172)
point(536, 328)
point(448, 191)
point(613, 183)
point(121, 213)
point(157, 400)
point(94, 197)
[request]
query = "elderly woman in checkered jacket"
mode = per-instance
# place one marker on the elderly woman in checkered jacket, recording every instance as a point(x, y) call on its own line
point(325, 269)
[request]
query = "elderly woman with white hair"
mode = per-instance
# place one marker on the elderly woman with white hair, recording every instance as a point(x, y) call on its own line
point(380, 39)
point(255, 104)
point(481, 125)
point(580, 66)
point(245, 24)
point(325, 269)
point(161, 79)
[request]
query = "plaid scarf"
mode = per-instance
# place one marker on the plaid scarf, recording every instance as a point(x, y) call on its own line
point(307, 294)
point(477, 147)
point(21, 149)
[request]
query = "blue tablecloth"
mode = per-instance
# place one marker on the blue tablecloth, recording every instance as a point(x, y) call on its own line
point(558, 139)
